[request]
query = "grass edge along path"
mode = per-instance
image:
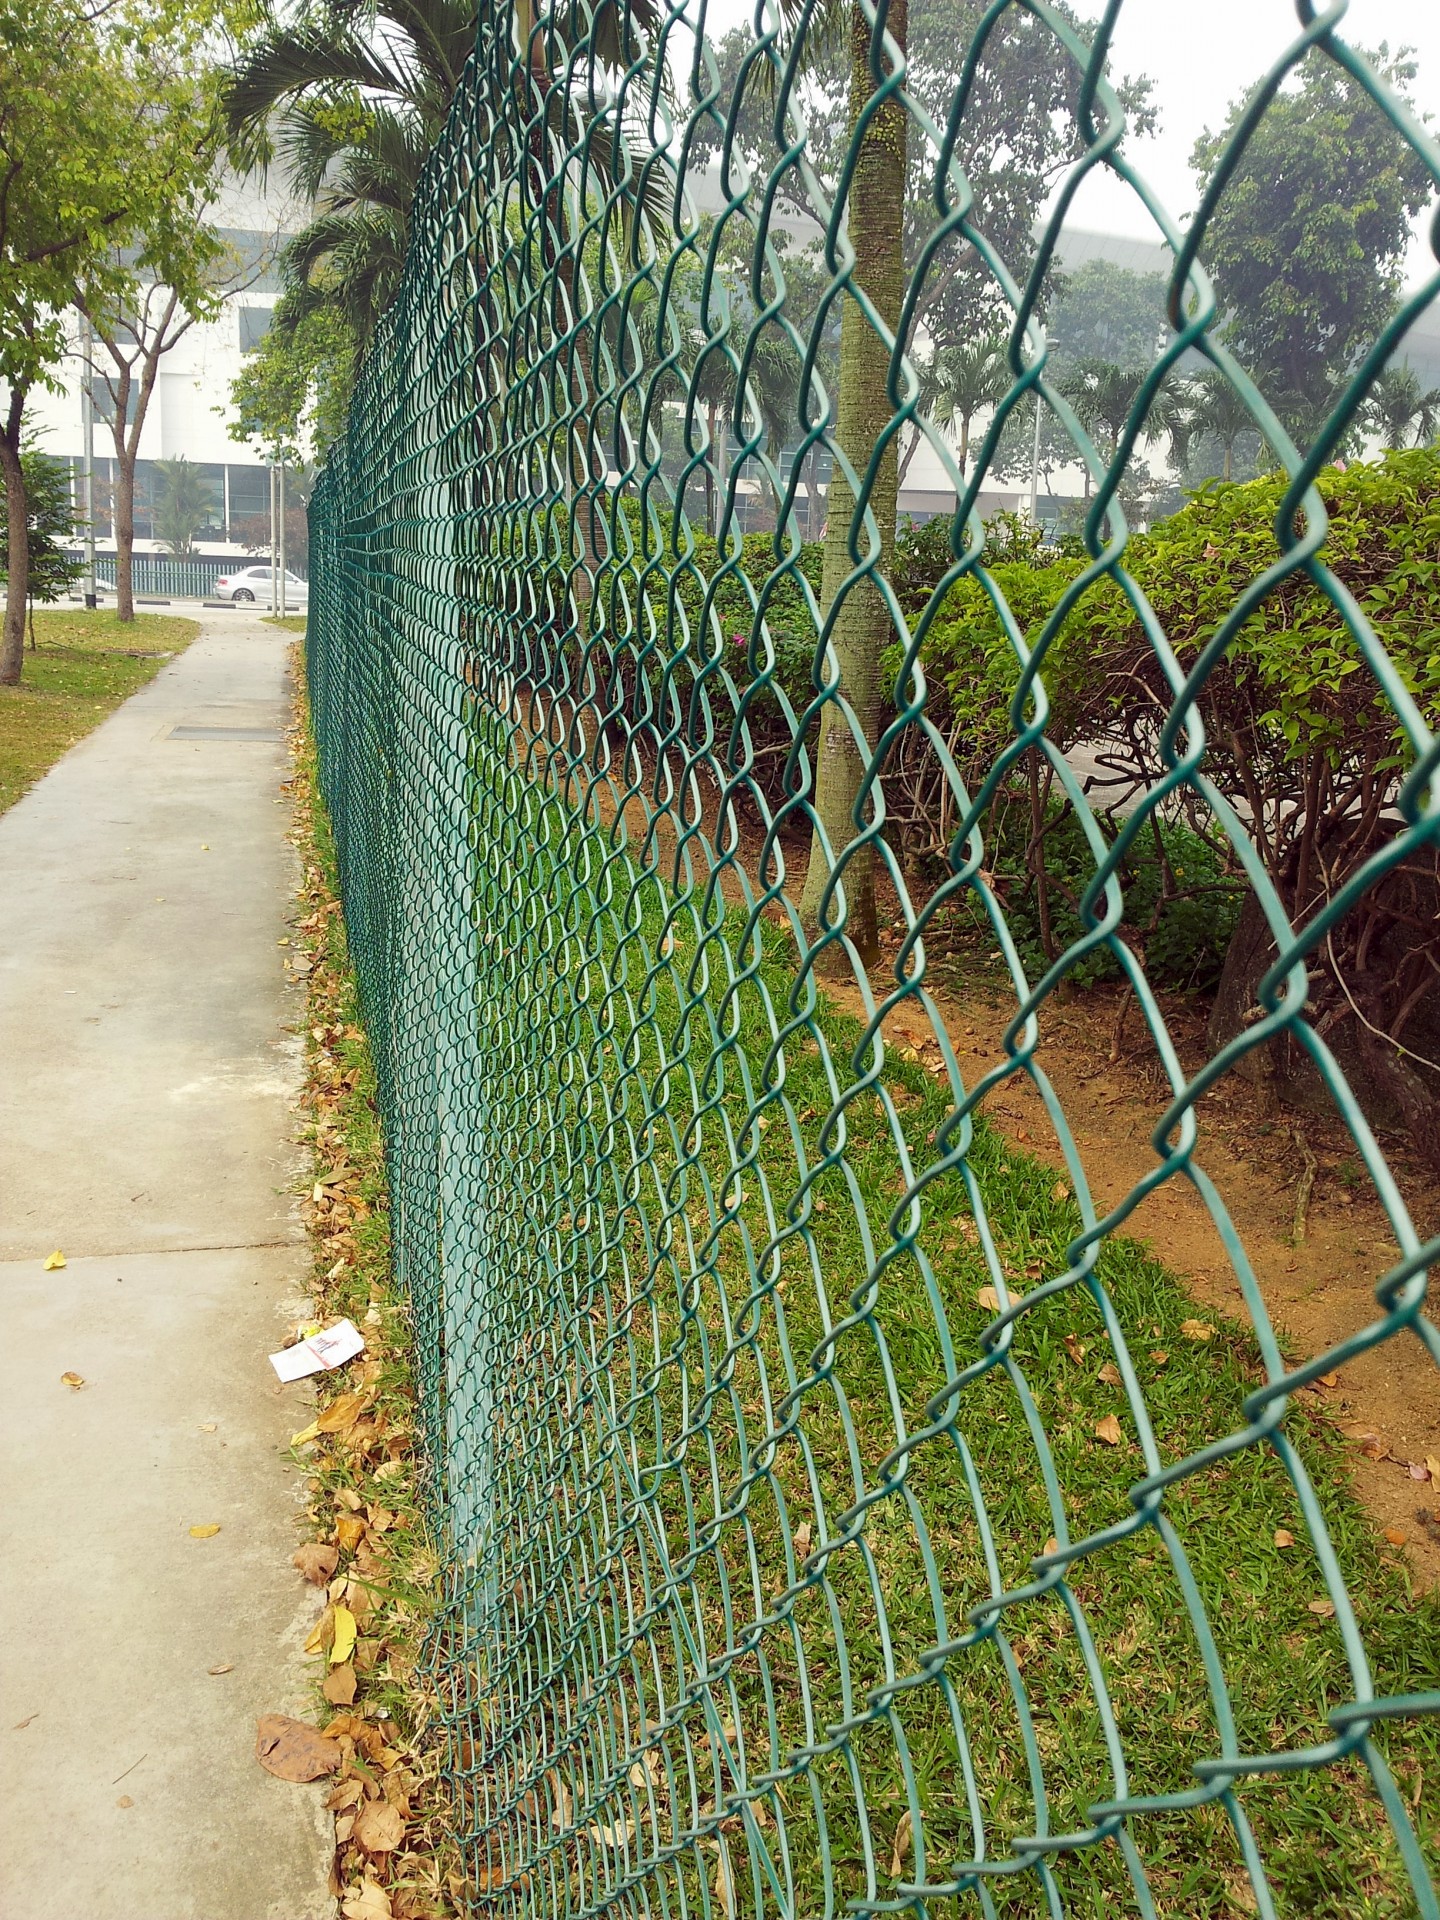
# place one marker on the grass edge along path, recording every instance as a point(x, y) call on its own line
point(67, 690)
point(371, 1549)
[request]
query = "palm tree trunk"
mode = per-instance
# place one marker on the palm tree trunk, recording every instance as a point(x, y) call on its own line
point(17, 533)
point(863, 630)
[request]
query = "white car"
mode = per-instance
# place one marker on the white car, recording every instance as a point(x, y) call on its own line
point(253, 583)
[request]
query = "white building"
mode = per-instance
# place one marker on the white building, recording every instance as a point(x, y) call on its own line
point(189, 415)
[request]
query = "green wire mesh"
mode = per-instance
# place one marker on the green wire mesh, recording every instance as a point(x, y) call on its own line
point(784, 1573)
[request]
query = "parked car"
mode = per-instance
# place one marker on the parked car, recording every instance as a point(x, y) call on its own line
point(253, 583)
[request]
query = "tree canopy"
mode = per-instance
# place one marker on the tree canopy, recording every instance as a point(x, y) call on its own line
point(1307, 241)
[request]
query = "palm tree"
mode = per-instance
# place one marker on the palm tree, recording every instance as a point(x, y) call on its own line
point(186, 503)
point(350, 103)
point(1397, 408)
point(1211, 409)
point(973, 376)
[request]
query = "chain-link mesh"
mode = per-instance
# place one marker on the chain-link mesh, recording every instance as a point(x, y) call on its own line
point(840, 1511)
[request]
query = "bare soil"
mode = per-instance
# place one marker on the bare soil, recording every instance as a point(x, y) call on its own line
point(1319, 1288)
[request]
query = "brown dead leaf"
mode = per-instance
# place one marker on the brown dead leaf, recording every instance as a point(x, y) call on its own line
point(349, 1531)
point(226, 1666)
point(293, 1750)
point(316, 1562)
point(1284, 1537)
point(1052, 1545)
point(1110, 1374)
point(345, 1795)
point(322, 1634)
point(367, 1902)
point(1197, 1330)
point(124, 1801)
point(1325, 1608)
point(803, 1537)
point(989, 1299)
point(1075, 1347)
point(724, 1882)
point(338, 1685)
point(612, 1836)
point(1160, 1358)
point(1396, 1536)
point(342, 1413)
point(904, 1835)
point(379, 1827)
point(1109, 1430)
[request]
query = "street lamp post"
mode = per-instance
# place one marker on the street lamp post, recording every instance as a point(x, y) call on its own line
point(87, 420)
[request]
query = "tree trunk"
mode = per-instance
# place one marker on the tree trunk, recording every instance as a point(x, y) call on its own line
point(863, 630)
point(124, 523)
point(17, 531)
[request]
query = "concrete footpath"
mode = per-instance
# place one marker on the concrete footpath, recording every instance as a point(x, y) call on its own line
point(147, 1082)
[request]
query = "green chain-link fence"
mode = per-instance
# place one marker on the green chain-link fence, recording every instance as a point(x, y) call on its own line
point(841, 1512)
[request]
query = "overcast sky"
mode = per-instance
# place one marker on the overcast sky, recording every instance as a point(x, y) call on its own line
point(1202, 54)
point(1201, 57)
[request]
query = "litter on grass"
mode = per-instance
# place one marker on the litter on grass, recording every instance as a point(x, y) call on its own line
point(319, 1352)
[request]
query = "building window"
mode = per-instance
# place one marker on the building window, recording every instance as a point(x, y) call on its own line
point(254, 325)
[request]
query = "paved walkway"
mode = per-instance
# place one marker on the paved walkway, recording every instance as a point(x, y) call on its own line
point(146, 1082)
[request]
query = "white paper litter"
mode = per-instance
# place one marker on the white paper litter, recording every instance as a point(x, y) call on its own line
point(320, 1353)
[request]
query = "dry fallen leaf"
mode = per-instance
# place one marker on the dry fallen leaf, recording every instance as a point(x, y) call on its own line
point(379, 1827)
point(609, 1836)
point(124, 1801)
point(349, 1531)
point(1109, 1430)
point(988, 1298)
point(292, 1750)
point(316, 1562)
point(345, 1795)
point(338, 1686)
point(1325, 1608)
point(1075, 1347)
point(206, 1532)
point(1197, 1330)
point(802, 1539)
point(55, 1262)
point(341, 1413)
point(1283, 1537)
point(904, 1834)
point(72, 1380)
point(367, 1902)
point(227, 1666)
point(1160, 1357)
point(1434, 1465)
point(1052, 1545)
point(305, 1434)
point(345, 1631)
point(1110, 1374)
point(1059, 1191)
point(208, 1426)
point(322, 1634)
point(1396, 1536)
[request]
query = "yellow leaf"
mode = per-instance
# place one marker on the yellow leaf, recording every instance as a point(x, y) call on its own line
point(1109, 1430)
point(55, 1262)
point(344, 1636)
point(72, 1380)
point(1197, 1330)
point(322, 1634)
point(305, 1433)
point(1434, 1466)
point(207, 1532)
point(341, 1413)
point(1283, 1537)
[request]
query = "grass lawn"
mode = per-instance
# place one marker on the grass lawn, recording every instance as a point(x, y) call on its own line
point(773, 1489)
point(292, 623)
point(84, 664)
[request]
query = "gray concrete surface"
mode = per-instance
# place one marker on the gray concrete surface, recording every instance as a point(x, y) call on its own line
point(147, 1080)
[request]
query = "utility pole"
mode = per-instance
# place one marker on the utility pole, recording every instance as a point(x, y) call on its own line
point(1035, 467)
point(87, 420)
point(280, 609)
point(273, 593)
